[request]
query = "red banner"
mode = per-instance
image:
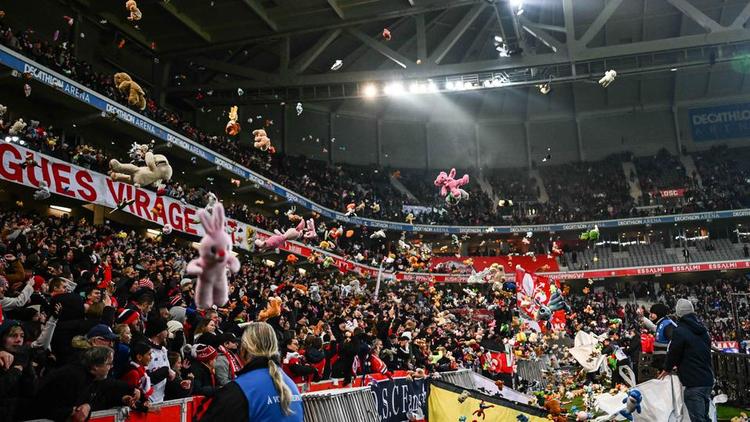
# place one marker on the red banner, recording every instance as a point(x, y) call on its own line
point(672, 193)
point(451, 264)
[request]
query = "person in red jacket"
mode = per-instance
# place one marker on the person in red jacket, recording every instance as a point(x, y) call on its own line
point(136, 376)
point(293, 364)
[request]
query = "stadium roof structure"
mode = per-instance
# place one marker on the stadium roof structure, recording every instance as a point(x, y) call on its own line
point(284, 49)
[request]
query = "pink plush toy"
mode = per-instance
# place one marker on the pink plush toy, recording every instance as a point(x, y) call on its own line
point(309, 232)
point(447, 183)
point(215, 256)
point(279, 238)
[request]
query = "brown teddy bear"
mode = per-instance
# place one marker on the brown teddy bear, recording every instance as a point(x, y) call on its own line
point(134, 92)
point(273, 309)
point(262, 142)
point(232, 128)
point(135, 12)
point(555, 411)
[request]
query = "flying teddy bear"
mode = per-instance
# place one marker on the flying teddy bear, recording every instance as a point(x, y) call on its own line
point(273, 309)
point(449, 184)
point(128, 87)
point(17, 127)
point(262, 142)
point(279, 238)
point(608, 78)
point(156, 171)
point(135, 12)
point(232, 128)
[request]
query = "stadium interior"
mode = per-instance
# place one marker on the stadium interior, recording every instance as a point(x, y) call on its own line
point(445, 209)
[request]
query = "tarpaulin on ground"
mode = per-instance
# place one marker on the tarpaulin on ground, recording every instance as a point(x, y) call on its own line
point(445, 404)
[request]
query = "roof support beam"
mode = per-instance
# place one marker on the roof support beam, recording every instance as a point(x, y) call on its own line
point(310, 55)
point(452, 38)
point(186, 20)
point(421, 39)
point(381, 48)
point(599, 22)
point(695, 14)
point(726, 36)
point(336, 8)
point(541, 35)
point(284, 54)
point(411, 3)
point(261, 12)
point(480, 39)
point(742, 18)
point(570, 26)
point(242, 71)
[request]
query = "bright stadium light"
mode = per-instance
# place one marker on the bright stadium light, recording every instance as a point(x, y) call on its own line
point(61, 208)
point(394, 89)
point(370, 90)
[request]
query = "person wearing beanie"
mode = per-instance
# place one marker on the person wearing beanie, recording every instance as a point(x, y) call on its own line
point(158, 368)
point(690, 354)
point(662, 326)
point(204, 381)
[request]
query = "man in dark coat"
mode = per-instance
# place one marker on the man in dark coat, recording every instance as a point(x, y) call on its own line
point(690, 353)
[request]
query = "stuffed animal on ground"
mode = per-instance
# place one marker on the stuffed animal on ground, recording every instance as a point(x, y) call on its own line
point(592, 234)
point(262, 142)
point(555, 411)
point(130, 89)
point(135, 12)
point(157, 171)
point(43, 192)
point(215, 258)
point(279, 238)
point(273, 309)
point(17, 127)
point(448, 184)
point(632, 404)
point(233, 127)
point(608, 78)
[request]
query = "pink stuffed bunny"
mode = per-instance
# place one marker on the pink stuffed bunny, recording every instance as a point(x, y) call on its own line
point(279, 238)
point(309, 232)
point(447, 183)
point(215, 256)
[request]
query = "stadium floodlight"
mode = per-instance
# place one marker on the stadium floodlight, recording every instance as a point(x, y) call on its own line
point(61, 208)
point(153, 232)
point(394, 89)
point(431, 87)
point(370, 90)
point(498, 39)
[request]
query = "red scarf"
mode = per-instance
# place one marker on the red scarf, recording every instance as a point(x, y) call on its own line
point(234, 362)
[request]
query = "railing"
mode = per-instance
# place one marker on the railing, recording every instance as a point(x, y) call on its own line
point(732, 372)
point(81, 93)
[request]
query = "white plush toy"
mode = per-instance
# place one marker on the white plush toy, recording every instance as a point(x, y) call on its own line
point(380, 234)
point(156, 171)
point(43, 192)
point(608, 78)
point(17, 127)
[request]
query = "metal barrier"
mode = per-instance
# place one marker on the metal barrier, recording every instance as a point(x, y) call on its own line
point(732, 371)
point(462, 378)
point(341, 405)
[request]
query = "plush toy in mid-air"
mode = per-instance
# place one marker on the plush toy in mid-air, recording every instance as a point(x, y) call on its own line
point(216, 256)
point(592, 234)
point(156, 171)
point(17, 127)
point(632, 404)
point(448, 184)
point(309, 232)
point(608, 78)
point(233, 127)
point(380, 234)
point(273, 309)
point(279, 238)
point(129, 88)
point(135, 12)
point(262, 142)
point(43, 192)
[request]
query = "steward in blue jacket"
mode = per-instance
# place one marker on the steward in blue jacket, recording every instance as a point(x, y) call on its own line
point(252, 397)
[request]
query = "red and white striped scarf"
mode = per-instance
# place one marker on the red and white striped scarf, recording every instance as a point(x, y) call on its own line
point(234, 362)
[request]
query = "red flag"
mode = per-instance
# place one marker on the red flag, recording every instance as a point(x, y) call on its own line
point(539, 300)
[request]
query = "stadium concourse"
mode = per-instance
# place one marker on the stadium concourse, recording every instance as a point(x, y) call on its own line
point(405, 210)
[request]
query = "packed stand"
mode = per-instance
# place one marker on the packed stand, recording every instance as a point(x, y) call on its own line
point(724, 176)
point(661, 171)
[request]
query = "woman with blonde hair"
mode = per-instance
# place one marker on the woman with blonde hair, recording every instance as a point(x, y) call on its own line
point(262, 391)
